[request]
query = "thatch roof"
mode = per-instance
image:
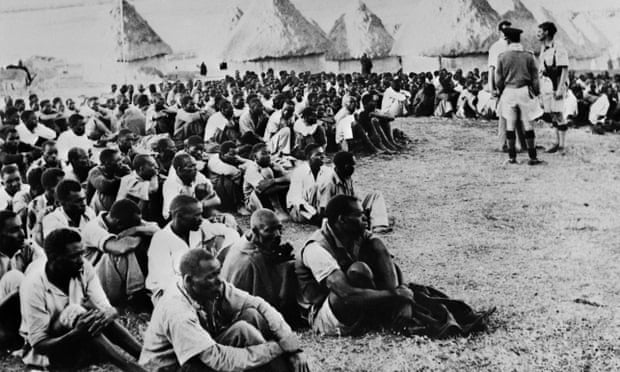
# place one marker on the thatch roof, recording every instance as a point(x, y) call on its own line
point(233, 17)
point(521, 17)
point(136, 40)
point(359, 31)
point(448, 28)
point(274, 29)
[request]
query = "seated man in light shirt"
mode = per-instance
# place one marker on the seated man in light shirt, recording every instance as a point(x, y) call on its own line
point(73, 137)
point(204, 324)
point(11, 186)
point(188, 181)
point(226, 172)
point(302, 199)
point(143, 186)
point(31, 132)
point(186, 230)
point(67, 320)
point(395, 100)
point(116, 244)
point(220, 126)
point(278, 131)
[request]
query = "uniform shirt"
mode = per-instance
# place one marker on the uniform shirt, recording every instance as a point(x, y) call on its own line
point(516, 68)
point(180, 330)
point(553, 56)
point(42, 302)
point(331, 185)
point(303, 190)
point(496, 49)
point(167, 248)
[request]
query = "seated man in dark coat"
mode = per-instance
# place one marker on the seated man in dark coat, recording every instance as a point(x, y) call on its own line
point(261, 265)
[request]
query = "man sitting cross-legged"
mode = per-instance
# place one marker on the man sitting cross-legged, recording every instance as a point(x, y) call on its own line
point(204, 324)
point(116, 244)
point(261, 265)
point(347, 279)
point(66, 318)
point(187, 230)
point(302, 199)
point(265, 184)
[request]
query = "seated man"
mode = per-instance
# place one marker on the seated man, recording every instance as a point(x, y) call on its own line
point(11, 186)
point(226, 174)
point(14, 151)
point(144, 187)
point(308, 130)
point(347, 279)
point(253, 122)
point(79, 165)
point(75, 136)
point(116, 244)
point(348, 129)
point(16, 254)
point(339, 181)
point(262, 266)
point(302, 199)
point(105, 179)
point(278, 131)
point(125, 142)
point(31, 132)
point(188, 181)
point(49, 159)
point(186, 230)
point(43, 204)
point(220, 126)
point(23, 197)
point(66, 318)
point(72, 211)
point(377, 124)
point(265, 184)
point(204, 324)
point(188, 121)
point(395, 100)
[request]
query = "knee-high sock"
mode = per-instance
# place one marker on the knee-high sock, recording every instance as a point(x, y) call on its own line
point(511, 137)
point(531, 145)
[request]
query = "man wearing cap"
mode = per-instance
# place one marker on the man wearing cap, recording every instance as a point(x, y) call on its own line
point(553, 69)
point(517, 81)
point(496, 49)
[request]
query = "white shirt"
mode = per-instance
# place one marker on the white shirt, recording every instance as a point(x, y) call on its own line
point(303, 190)
point(59, 219)
point(6, 200)
point(167, 248)
point(301, 127)
point(344, 128)
point(274, 124)
point(393, 100)
point(598, 110)
point(215, 122)
point(68, 140)
point(26, 136)
point(173, 186)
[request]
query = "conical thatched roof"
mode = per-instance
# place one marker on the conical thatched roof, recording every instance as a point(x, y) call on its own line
point(233, 17)
point(136, 40)
point(359, 31)
point(521, 17)
point(447, 28)
point(274, 29)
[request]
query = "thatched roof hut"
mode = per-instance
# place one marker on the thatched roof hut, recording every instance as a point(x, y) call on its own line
point(135, 40)
point(447, 28)
point(359, 31)
point(274, 29)
point(521, 17)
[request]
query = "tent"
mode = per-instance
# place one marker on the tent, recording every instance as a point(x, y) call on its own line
point(273, 33)
point(135, 39)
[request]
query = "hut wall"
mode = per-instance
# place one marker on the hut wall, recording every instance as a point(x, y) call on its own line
point(466, 63)
point(385, 64)
point(419, 64)
point(314, 63)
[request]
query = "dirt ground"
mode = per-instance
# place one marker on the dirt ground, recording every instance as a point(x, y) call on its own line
point(540, 243)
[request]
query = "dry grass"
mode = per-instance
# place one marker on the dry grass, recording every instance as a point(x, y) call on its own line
point(541, 244)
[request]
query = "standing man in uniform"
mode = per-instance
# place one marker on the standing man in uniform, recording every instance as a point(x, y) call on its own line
point(553, 69)
point(517, 80)
point(496, 49)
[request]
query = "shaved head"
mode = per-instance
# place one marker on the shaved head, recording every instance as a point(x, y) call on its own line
point(182, 203)
point(261, 218)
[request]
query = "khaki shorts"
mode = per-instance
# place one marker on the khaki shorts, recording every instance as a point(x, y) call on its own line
point(515, 101)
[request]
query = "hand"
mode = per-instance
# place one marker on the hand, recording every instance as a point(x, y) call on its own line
point(130, 243)
point(110, 315)
point(123, 170)
point(83, 322)
point(404, 292)
point(290, 344)
point(98, 323)
point(299, 363)
point(558, 94)
point(265, 184)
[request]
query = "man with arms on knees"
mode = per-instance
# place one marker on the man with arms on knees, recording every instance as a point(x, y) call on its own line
point(66, 318)
point(202, 323)
point(261, 265)
point(553, 68)
point(345, 273)
point(517, 80)
point(302, 199)
point(105, 179)
point(72, 210)
point(186, 230)
point(265, 184)
point(339, 181)
point(279, 129)
point(16, 254)
point(116, 244)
